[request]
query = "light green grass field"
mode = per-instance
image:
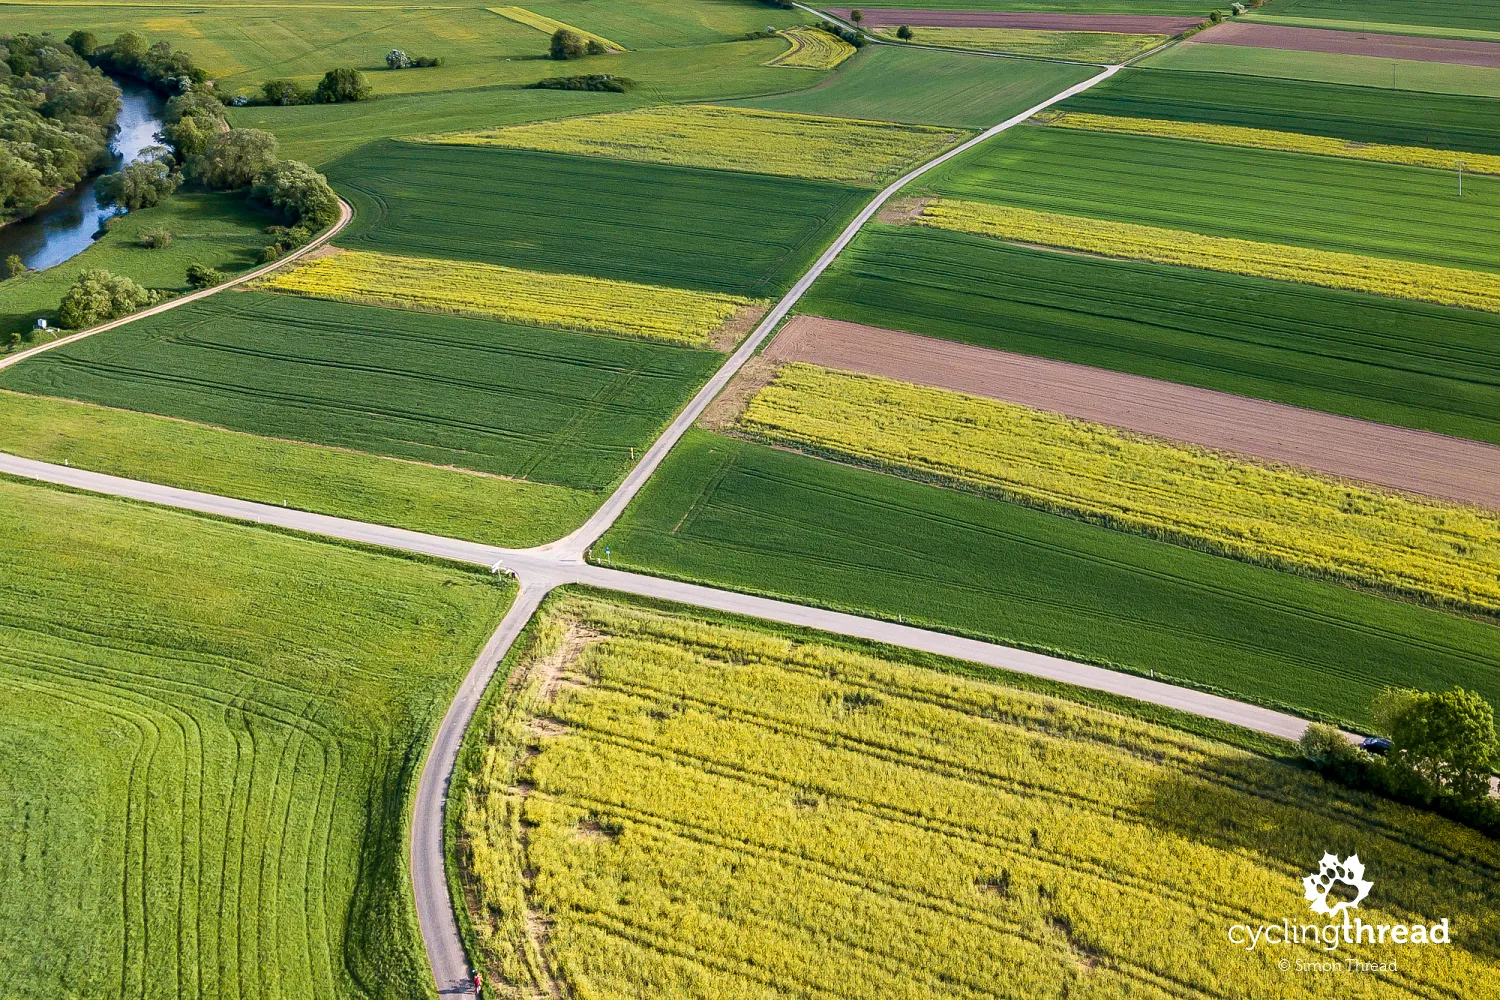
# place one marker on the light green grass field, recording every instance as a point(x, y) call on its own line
point(1080, 46)
point(335, 481)
point(1382, 210)
point(641, 24)
point(1360, 71)
point(320, 133)
point(520, 401)
point(220, 230)
point(884, 82)
point(208, 738)
point(720, 809)
point(747, 517)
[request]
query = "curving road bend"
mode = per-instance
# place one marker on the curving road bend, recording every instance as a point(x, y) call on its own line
point(346, 213)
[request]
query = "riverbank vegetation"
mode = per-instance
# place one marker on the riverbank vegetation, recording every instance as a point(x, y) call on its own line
point(56, 112)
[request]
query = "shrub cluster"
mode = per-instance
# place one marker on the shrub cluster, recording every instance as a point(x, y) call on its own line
point(157, 65)
point(569, 44)
point(203, 276)
point(398, 59)
point(1443, 751)
point(143, 183)
point(55, 115)
point(588, 81)
point(98, 296)
point(854, 38)
point(338, 86)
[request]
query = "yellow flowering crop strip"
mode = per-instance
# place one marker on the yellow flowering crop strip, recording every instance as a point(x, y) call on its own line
point(1085, 46)
point(748, 139)
point(568, 301)
point(1449, 286)
point(1290, 142)
point(1273, 515)
point(812, 48)
point(798, 818)
point(531, 19)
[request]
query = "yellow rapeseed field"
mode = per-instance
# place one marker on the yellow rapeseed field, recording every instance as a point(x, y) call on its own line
point(1291, 142)
point(671, 808)
point(1086, 46)
point(534, 20)
point(812, 48)
point(1277, 516)
point(765, 142)
point(567, 301)
point(1449, 286)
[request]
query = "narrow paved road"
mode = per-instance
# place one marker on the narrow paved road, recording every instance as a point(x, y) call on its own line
point(541, 569)
point(345, 214)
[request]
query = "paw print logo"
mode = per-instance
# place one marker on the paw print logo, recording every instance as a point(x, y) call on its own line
point(1350, 871)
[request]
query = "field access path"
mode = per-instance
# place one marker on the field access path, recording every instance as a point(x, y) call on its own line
point(541, 569)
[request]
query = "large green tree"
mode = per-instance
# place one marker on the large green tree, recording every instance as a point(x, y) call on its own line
point(1446, 738)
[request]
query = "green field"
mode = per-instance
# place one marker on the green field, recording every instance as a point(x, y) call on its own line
point(886, 82)
point(1359, 71)
point(1366, 356)
point(1378, 209)
point(1380, 27)
point(1453, 13)
point(748, 517)
point(320, 133)
point(542, 405)
point(725, 809)
point(335, 481)
point(746, 234)
point(209, 735)
point(220, 230)
point(245, 45)
point(1359, 114)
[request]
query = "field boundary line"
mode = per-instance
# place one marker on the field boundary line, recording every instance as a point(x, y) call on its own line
point(346, 215)
point(576, 542)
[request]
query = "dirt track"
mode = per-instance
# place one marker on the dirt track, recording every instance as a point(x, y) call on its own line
point(1394, 457)
point(1127, 24)
point(1351, 43)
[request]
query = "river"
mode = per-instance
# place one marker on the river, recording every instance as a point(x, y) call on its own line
point(67, 224)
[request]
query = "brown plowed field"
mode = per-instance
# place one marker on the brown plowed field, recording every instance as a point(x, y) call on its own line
point(1125, 24)
point(1394, 457)
point(1351, 43)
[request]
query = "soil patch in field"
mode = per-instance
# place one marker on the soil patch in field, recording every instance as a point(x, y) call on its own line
point(1125, 24)
point(1393, 457)
point(727, 406)
point(734, 329)
point(1458, 51)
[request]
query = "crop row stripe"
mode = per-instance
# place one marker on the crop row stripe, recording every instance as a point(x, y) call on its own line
point(1449, 286)
point(1290, 142)
point(531, 19)
point(812, 48)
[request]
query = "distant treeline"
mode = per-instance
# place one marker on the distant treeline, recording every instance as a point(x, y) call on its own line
point(56, 112)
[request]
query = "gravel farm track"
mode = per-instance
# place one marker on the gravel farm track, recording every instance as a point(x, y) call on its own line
point(1393, 457)
point(1457, 51)
point(1125, 24)
point(565, 561)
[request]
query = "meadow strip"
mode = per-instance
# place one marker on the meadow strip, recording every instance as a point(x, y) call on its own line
point(724, 138)
point(1087, 46)
point(1448, 286)
point(568, 301)
point(1275, 515)
point(531, 19)
point(812, 48)
point(1290, 142)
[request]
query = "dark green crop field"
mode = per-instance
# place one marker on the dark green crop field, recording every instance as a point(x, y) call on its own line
point(1367, 356)
point(662, 225)
point(1443, 13)
point(928, 87)
point(549, 406)
point(1359, 114)
point(208, 737)
point(752, 518)
point(1379, 209)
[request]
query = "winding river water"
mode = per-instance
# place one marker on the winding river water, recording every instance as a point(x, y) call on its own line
point(70, 222)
